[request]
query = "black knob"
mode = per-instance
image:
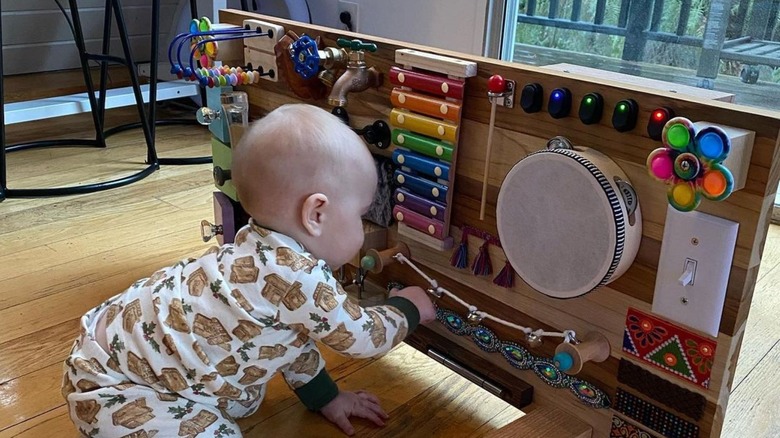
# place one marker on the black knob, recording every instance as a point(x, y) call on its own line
point(624, 115)
point(531, 98)
point(559, 104)
point(341, 113)
point(591, 108)
point(221, 175)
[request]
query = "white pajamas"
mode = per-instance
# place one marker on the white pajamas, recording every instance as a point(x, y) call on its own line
point(193, 346)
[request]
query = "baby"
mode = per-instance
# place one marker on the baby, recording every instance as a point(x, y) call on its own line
point(190, 349)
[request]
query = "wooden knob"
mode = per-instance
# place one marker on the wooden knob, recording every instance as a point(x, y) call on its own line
point(375, 261)
point(571, 357)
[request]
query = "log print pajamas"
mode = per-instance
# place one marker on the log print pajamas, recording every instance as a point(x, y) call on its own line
point(192, 347)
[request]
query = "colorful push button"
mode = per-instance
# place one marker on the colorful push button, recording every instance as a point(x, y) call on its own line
point(625, 114)
point(658, 119)
point(661, 164)
point(678, 133)
point(591, 108)
point(691, 164)
point(717, 183)
point(683, 196)
point(559, 104)
point(531, 98)
point(712, 144)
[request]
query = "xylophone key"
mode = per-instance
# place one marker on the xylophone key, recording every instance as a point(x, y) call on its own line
point(419, 204)
point(421, 164)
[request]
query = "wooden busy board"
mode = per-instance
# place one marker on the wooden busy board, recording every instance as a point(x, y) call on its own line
point(604, 310)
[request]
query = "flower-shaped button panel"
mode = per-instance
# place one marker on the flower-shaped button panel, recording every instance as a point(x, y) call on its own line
point(691, 164)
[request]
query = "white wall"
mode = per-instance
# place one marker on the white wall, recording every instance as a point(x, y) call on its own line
point(450, 24)
point(36, 36)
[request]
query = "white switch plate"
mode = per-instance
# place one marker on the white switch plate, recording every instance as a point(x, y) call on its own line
point(709, 241)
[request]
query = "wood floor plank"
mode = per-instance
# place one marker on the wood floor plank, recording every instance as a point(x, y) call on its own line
point(69, 301)
point(68, 274)
point(54, 421)
point(752, 410)
point(761, 332)
point(396, 379)
point(36, 350)
point(30, 395)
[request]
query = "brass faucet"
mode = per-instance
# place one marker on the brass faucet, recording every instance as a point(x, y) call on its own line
point(358, 76)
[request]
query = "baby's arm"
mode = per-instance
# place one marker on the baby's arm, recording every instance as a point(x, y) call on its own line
point(329, 316)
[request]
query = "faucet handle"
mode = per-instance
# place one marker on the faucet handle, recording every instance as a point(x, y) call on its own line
point(305, 56)
point(356, 45)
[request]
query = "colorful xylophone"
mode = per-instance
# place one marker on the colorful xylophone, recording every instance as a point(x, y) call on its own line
point(427, 101)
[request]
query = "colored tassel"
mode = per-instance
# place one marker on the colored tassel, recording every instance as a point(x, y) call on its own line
point(481, 264)
point(505, 278)
point(460, 257)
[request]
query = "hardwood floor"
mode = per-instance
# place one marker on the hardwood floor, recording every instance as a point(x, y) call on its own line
point(61, 256)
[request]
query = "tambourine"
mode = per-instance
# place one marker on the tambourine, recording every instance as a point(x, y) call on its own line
point(568, 220)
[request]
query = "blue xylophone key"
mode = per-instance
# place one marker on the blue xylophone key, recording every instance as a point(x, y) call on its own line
point(423, 187)
point(421, 164)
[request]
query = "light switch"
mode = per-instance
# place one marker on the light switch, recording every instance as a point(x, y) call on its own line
point(693, 270)
point(689, 273)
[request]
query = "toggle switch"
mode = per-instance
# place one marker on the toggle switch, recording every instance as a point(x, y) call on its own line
point(658, 119)
point(559, 104)
point(531, 98)
point(591, 108)
point(689, 272)
point(624, 115)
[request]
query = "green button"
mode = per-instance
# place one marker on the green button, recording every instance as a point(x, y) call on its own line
point(678, 136)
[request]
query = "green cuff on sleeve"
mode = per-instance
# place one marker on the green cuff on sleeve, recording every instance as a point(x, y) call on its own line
point(318, 392)
point(408, 309)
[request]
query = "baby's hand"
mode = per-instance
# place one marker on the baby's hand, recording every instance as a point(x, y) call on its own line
point(419, 297)
point(359, 404)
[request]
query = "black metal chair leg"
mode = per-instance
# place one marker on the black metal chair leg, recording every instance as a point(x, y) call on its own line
point(139, 100)
point(83, 57)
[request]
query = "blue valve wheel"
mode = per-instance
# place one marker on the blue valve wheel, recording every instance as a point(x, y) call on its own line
point(306, 57)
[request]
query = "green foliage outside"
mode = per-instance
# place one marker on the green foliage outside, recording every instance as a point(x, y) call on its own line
point(675, 55)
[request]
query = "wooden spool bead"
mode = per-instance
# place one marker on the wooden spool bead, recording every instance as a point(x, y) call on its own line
point(570, 357)
point(375, 261)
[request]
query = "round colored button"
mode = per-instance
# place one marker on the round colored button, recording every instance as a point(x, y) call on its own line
point(711, 145)
point(714, 183)
point(684, 195)
point(678, 136)
point(662, 166)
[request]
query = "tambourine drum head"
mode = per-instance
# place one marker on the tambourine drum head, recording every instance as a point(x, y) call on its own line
point(557, 225)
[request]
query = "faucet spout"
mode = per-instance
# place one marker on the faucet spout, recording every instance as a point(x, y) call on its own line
point(355, 79)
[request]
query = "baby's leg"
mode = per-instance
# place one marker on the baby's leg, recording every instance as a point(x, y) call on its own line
point(137, 411)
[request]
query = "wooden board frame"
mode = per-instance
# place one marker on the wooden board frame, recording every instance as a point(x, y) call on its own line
point(517, 134)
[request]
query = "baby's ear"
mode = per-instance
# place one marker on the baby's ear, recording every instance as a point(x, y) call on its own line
point(313, 213)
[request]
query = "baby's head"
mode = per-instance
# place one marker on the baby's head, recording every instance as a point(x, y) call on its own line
point(304, 173)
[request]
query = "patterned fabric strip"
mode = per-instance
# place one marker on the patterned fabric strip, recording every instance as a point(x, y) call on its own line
point(623, 429)
point(675, 397)
point(669, 347)
point(661, 421)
